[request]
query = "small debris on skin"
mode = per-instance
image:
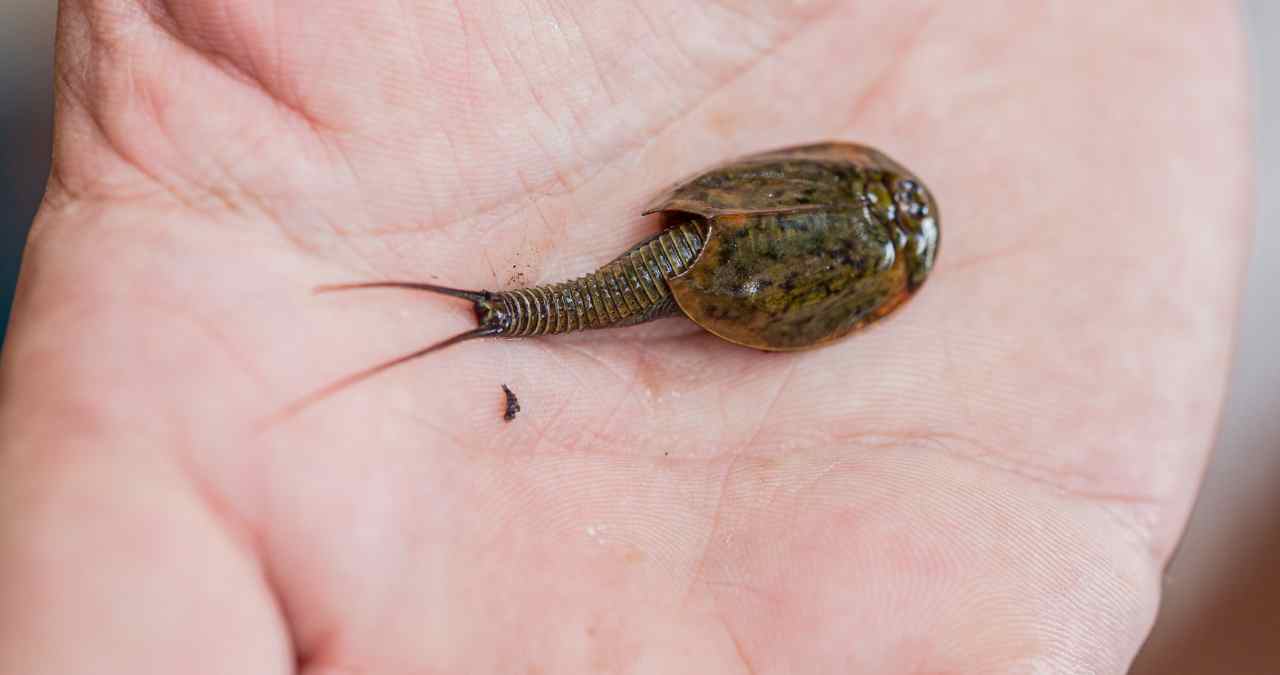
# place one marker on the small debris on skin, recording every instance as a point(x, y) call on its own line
point(513, 404)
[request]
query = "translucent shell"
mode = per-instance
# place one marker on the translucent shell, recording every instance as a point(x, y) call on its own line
point(803, 245)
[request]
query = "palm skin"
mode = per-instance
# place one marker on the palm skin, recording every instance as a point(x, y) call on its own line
point(990, 481)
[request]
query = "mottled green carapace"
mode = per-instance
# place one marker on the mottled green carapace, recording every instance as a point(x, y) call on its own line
point(802, 245)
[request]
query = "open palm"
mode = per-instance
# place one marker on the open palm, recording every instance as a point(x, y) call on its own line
point(990, 481)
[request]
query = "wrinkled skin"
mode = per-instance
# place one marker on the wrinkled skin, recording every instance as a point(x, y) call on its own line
point(989, 481)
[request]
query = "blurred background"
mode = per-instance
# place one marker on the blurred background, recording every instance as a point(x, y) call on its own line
point(26, 121)
point(1221, 610)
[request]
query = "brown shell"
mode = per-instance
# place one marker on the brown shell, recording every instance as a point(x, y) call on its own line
point(804, 245)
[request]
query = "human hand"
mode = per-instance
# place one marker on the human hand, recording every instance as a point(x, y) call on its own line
point(991, 481)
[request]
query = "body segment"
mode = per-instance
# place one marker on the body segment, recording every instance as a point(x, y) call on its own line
point(631, 289)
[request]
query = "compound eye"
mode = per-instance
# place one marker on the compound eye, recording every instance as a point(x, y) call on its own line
point(912, 199)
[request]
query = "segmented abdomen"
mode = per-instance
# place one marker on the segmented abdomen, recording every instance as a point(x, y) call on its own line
point(631, 289)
